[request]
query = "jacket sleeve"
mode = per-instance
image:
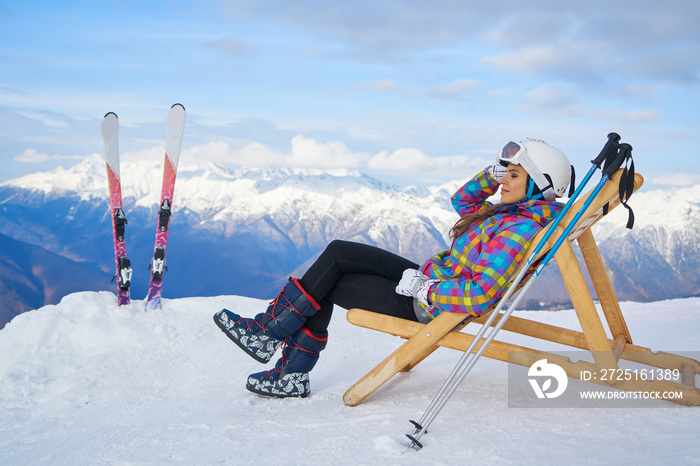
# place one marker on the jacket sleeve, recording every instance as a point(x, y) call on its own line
point(497, 263)
point(472, 196)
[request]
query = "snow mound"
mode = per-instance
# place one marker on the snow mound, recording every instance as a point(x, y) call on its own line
point(87, 382)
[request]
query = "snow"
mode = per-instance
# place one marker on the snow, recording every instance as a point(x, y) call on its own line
point(86, 382)
point(675, 209)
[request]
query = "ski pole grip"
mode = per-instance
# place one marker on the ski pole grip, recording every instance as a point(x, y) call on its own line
point(624, 153)
point(609, 148)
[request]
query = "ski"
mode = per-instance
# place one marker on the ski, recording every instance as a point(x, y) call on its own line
point(110, 139)
point(176, 126)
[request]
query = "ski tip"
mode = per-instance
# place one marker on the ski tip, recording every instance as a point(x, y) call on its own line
point(178, 105)
point(111, 113)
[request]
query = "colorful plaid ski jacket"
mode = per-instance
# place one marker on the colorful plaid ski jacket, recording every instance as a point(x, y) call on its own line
point(474, 273)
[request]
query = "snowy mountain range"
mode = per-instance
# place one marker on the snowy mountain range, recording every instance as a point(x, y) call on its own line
point(244, 232)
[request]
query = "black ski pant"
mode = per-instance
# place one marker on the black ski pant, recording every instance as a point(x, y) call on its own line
point(356, 275)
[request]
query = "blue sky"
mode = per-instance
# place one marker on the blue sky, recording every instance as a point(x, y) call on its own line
point(407, 91)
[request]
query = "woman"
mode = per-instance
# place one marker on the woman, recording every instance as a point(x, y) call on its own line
point(488, 242)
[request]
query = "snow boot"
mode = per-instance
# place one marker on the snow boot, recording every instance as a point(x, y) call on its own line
point(261, 336)
point(290, 376)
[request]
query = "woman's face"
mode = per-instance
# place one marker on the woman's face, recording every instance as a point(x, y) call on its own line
point(513, 184)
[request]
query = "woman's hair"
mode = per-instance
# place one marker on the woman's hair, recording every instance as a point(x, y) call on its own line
point(467, 219)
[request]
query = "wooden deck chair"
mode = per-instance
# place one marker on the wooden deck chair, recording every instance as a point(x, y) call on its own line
point(444, 330)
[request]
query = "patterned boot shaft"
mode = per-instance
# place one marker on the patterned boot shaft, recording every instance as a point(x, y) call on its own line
point(289, 311)
point(290, 376)
point(248, 334)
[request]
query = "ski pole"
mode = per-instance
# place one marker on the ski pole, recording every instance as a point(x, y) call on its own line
point(613, 161)
point(607, 154)
point(459, 374)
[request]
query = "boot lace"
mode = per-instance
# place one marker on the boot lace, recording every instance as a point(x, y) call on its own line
point(286, 304)
point(284, 360)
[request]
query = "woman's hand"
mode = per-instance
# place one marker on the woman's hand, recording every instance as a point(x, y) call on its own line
point(497, 171)
point(416, 284)
point(409, 278)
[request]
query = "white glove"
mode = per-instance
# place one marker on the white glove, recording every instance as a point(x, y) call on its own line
point(416, 284)
point(409, 278)
point(421, 290)
point(497, 171)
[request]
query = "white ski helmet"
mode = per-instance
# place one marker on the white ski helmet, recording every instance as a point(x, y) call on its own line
point(548, 168)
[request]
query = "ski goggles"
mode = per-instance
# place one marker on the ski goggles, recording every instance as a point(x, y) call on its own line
point(514, 152)
point(511, 153)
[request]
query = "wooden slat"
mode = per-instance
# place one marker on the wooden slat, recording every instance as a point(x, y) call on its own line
point(603, 286)
point(420, 358)
point(585, 309)
point(618, 346)
point(426, 337)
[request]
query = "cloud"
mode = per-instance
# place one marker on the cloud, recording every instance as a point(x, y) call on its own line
point(369, 30)
point(222, 153)
point(231, 46)
point(415, 161)
point(305, 152)
point(597, 45)
point(47, 118)
point(590, 42)
point(155, 152)
point(529, 59)
point(452, 90)
point(383, 85)
point(308, 152)
point(33, 156)
point(678, 179)
point(639, 116)
point(404, 160)
point(554, 101)
point(578, 34)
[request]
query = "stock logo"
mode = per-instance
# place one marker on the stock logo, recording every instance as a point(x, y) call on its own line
point(544, 372)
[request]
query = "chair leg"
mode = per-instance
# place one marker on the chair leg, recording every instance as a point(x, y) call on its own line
point(414, 347)
point(601, 282)
point(586, 312)
point(430, 351)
